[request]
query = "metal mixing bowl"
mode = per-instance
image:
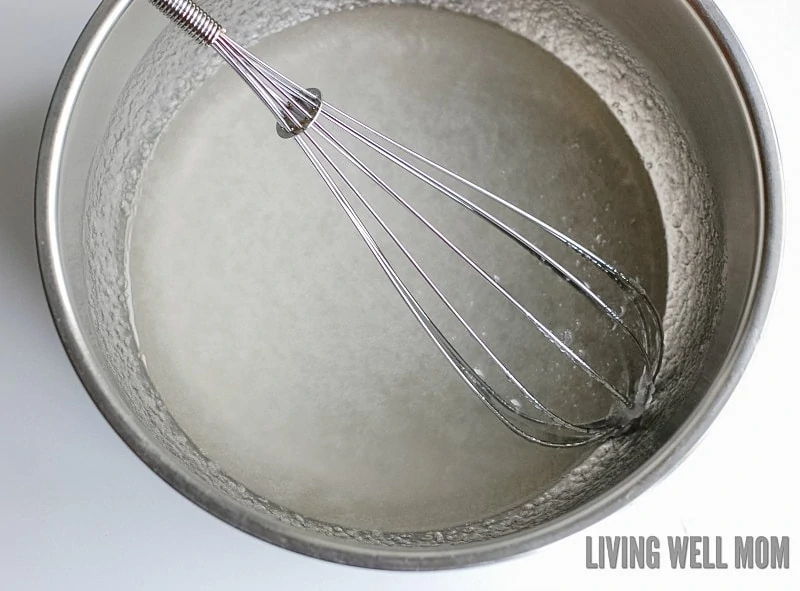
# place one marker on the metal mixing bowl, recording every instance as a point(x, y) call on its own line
point(714, 162)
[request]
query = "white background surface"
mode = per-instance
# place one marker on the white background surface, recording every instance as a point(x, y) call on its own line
point(79, 511)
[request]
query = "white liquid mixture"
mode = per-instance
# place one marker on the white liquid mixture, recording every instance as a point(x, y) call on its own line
point(271, 333)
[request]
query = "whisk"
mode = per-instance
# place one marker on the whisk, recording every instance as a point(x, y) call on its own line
point(331, 140)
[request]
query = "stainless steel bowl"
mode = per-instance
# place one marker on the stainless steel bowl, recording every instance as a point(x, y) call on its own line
point(707, 139)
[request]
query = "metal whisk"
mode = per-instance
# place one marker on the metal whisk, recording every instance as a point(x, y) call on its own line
point(330, 139)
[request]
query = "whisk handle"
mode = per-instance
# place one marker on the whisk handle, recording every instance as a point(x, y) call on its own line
point(191, 18)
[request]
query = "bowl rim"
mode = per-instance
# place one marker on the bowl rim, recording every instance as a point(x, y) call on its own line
point(283, 535)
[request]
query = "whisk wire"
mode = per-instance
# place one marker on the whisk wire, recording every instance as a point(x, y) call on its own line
point(484, 392)
point(613, 273)
point(442, 297)
point(549, 334)
point(271, 94)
